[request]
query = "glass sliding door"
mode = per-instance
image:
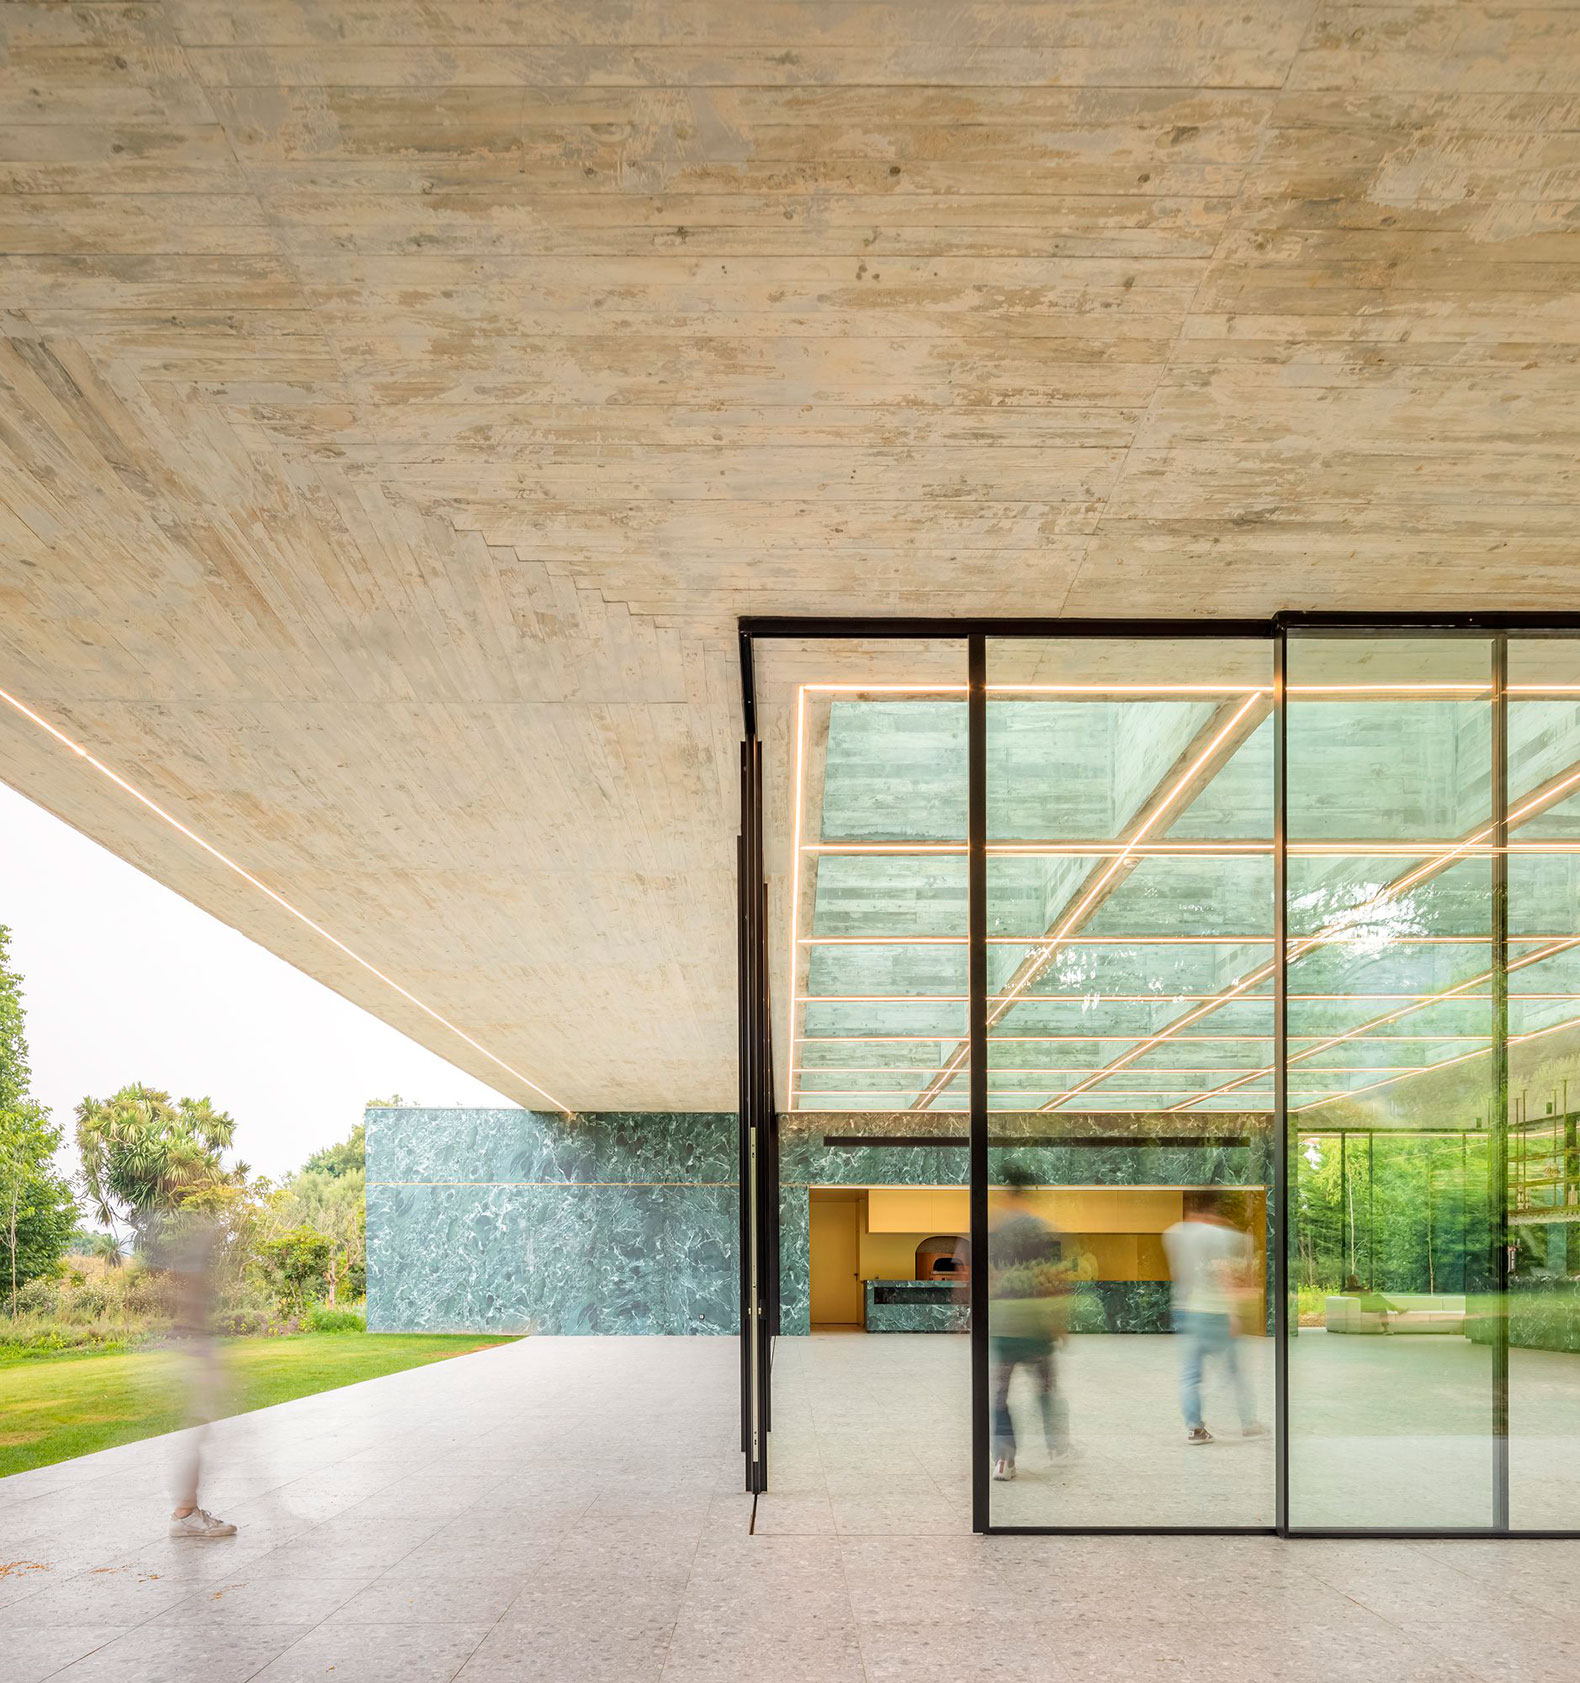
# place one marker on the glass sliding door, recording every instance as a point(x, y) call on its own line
point(865, 751)
point(1129, 1019)
point(1394, 979)
point(1195, 1021)
point(1544, 1082)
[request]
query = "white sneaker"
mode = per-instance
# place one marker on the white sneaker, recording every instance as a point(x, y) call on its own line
point(200, 1523)
point(1003, 1468)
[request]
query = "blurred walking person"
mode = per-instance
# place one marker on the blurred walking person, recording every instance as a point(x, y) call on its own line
point(1027, 1292)
point(186, 1244)
point(1210, 1263)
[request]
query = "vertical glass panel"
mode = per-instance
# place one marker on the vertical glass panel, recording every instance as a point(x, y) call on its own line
point(1130, 1057)
point(1391, 1031)
point(866, 789)
point(1544, 1083)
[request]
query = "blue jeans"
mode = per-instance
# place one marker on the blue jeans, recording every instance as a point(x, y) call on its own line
point(1203, 1336)
point(1036, 1354)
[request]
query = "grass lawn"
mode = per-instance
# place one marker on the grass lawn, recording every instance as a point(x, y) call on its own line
point(55, 1407)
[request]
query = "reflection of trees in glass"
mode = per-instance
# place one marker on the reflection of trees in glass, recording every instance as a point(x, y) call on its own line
point(1398, 1212)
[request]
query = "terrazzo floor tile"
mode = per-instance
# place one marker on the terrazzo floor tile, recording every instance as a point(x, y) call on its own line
point(601, 1654)
point(408, 1595)
point(506, 1543)
point(252, 1598)
point(362, 1653)
point(706, 1650)
point(114, 1597)
point(29, 1656)
point(185, 1654)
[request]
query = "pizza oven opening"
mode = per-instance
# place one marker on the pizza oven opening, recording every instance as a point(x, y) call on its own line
point(945, 1256)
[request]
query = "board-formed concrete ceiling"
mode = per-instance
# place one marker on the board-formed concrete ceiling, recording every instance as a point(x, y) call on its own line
point(400, 399)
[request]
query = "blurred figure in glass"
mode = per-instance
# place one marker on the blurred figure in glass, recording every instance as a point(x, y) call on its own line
point(1211, 1265)
point(1028, 1288)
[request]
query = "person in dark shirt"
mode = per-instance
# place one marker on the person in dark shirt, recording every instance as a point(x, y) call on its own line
point(1027, 1287)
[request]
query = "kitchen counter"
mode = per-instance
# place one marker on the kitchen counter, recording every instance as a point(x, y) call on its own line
point(917, 1306)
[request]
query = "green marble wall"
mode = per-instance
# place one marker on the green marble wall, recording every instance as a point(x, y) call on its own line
point(1236, 1153)
point(513, 1221)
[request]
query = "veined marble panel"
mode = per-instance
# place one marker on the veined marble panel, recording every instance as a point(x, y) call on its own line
point(512, 1221)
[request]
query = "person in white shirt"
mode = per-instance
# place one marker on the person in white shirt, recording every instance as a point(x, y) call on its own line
point(1210, 1264)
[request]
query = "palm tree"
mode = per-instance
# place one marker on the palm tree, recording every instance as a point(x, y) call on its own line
point(108, 1248)
point(143, 1155)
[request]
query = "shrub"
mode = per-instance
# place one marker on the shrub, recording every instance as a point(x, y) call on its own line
point(38, 1297)
point(244, 1323)
point(294, 1266)
point(321, 1318)
point(93, 1293)
point(38, 1335)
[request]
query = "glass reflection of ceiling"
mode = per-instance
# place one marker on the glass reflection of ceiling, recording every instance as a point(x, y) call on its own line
point(1130, 883)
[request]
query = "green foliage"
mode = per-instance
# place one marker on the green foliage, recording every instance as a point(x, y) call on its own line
point(37, 1211)
point(109, 1248)
point(348, 1157)
point(90, 1307)
point(1401, 1212)
point(144, 1156)
point(296, 1264)
point(244, 1323)
point(15, 1072)
point(321, 1318)
point(37, 1215)
point(332, 1205)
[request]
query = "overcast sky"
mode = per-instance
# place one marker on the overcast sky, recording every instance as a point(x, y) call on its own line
point(125, 981)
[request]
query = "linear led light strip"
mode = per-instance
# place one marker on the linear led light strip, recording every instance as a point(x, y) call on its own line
point(1081, 1039)
point(1098, 997)
point(1037, 940)
point(841, 1071)
point(1034, 689)
point(1469, 690)
point(997, 1092)
point(1072, 920)
point(1029, 1039)
point(794, 919)
point(1429, 867)
point(1337, 938)
point(1459, 988)
point(1051, 1069)
point(1185, 849)
point(1447, 1063)
point(279, 899)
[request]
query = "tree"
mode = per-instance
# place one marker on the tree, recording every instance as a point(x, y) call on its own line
point(296, 1263)
point(333, 1207)
point(144, 1157)
point(109, 1249)
point(37, 1210)
point(349, 1156)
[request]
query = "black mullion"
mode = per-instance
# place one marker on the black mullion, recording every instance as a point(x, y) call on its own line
point(753, 987)
point(976, 988)
point(1281, 1141)
point(1498, 1213)
point(746, 1052)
